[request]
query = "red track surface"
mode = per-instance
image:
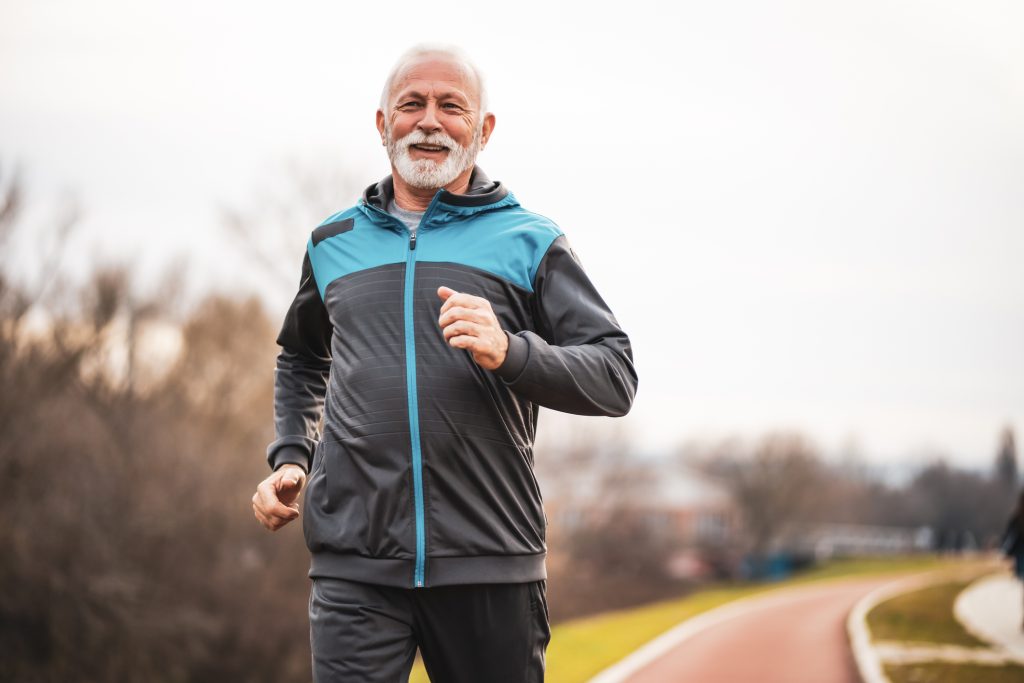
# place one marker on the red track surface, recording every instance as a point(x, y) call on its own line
point(798, 636)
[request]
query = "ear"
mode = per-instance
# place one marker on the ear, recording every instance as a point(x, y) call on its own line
point(380, 127)
point(488, 128)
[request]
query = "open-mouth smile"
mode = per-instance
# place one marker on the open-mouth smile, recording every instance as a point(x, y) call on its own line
point(423, 147)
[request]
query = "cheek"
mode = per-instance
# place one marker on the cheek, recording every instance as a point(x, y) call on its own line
point(462, 131)
point(399, 127)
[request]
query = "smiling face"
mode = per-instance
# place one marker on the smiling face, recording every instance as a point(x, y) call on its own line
point(432, 124)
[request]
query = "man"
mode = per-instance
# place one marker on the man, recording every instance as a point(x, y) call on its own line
point(432, 321)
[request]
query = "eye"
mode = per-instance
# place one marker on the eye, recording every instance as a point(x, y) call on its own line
point(451, 106)
point(405, 106)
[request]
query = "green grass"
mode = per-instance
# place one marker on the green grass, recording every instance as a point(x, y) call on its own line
point(923, 616)
point(582, 647)
point(926, 616)
point(955, 673)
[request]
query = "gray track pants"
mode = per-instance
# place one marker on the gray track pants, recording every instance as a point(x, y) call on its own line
point(466, 634)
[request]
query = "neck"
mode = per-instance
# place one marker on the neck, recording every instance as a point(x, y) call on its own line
point(418, 199)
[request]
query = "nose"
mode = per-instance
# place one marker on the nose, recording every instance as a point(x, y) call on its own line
point(429, 123)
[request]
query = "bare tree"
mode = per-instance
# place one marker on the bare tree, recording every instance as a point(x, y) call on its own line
point(1005, 471)
point(127, 528)
point(272, 231)
point(775, 484)
point(606, 549)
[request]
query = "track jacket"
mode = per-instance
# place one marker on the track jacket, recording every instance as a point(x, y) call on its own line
point(423, 475)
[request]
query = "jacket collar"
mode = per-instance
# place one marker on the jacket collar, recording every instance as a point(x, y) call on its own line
point(482, 192)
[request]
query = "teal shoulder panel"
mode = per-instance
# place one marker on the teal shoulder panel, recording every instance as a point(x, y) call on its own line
point(509, 243)
point(363, 245)
point(341, 215)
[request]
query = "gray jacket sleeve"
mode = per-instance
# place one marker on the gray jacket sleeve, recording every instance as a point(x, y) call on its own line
point(300, 379)
point(579, 360)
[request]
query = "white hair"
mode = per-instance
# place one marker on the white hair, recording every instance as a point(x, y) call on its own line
point(431, 50)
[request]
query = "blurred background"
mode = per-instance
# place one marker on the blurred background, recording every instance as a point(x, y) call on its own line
point(808, 216)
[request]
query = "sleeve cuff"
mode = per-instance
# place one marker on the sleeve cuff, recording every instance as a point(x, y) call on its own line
point(516, 356)
point(296, 455)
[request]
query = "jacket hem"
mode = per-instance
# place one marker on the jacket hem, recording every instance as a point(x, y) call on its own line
point(440, 571)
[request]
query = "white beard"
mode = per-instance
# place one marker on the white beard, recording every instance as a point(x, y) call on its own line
point(428, 174)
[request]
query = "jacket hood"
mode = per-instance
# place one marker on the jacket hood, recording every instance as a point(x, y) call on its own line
point(483, 194)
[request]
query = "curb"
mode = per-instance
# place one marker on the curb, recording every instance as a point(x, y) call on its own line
point(869, 664)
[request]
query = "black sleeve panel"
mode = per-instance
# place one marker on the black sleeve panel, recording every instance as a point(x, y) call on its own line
point(300, 380)
point(581, 361)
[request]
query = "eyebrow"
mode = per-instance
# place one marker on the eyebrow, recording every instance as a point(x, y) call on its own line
point(416, 94)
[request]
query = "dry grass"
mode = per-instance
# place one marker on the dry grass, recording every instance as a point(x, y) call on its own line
point(923, 616)
point(955, 673)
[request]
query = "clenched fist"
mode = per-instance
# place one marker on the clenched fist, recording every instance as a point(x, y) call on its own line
point(275, 501)
point(468, 322)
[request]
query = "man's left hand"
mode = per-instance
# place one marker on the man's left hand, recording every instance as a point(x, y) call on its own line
point(468, 322)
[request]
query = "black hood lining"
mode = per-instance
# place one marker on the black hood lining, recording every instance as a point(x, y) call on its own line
point(482, 191)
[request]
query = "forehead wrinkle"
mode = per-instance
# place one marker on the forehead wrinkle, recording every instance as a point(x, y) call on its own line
point(465, 84)
point(429, 92)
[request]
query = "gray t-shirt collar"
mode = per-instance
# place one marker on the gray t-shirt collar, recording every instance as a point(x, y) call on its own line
point(410, 218)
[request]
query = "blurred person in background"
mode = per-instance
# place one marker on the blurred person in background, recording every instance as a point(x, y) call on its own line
point(432, 321)
point(1013, 540)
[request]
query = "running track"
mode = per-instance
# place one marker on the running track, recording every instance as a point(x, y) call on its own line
point(789, 636)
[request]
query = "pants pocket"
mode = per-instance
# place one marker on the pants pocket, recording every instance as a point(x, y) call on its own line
point(540, 631)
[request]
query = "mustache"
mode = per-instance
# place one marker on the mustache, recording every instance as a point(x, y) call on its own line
point(418, 137)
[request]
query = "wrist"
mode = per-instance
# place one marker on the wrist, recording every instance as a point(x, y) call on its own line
point(502, 348)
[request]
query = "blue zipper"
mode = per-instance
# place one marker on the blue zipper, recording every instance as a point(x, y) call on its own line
point(419, 574)
point(414, 411)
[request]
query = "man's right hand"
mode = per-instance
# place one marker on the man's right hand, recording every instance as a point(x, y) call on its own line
point(275, 501)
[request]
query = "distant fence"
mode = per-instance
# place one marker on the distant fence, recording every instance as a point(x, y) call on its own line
point(824, 541)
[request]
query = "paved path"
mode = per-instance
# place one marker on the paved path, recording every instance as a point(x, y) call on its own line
point(794, 635)
point(993, 610)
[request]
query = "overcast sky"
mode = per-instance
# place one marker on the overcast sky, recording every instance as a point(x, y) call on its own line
point(807, 215)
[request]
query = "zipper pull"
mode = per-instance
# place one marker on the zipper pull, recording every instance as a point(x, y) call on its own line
point(412, 239)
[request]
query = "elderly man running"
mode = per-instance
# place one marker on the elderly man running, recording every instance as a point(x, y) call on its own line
point(432, 321)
